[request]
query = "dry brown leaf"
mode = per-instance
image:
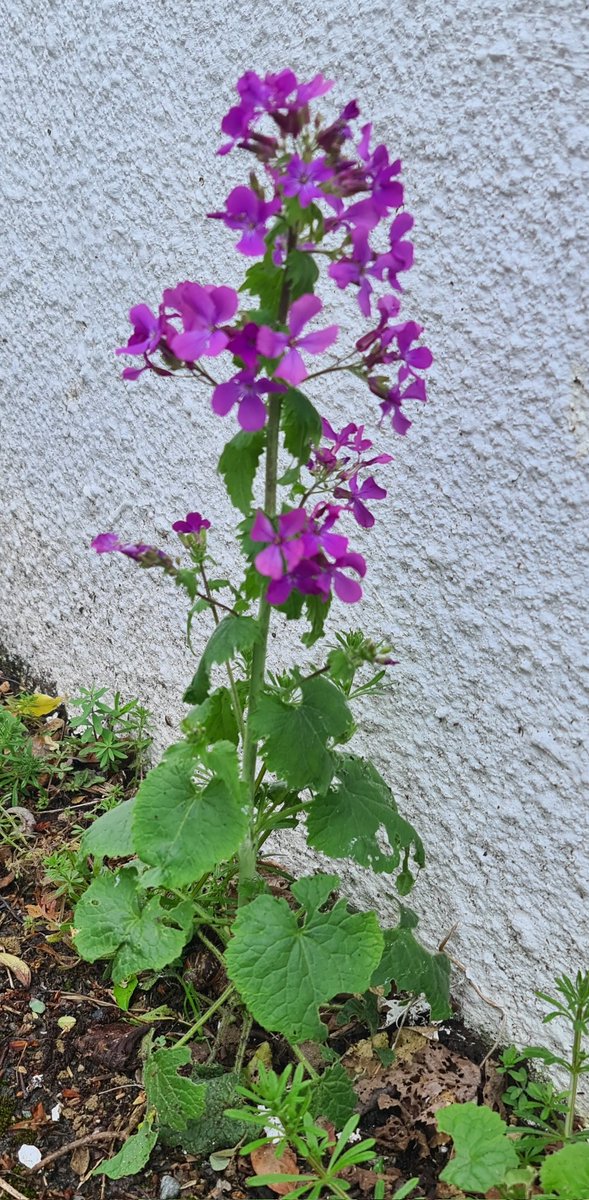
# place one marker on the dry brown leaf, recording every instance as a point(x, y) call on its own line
point(266, 1161)
point(80, 1160)
point(362, 1059)
point(410, 1093)
point(17, 967)
point(6, 879)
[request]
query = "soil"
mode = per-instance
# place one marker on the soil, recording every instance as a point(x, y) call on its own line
point(70, 1059)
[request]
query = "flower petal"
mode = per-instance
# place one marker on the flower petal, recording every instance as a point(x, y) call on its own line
point(292, 368)
point(302, 311)
point(317, 342)
point(252, 412)
point(224, 397)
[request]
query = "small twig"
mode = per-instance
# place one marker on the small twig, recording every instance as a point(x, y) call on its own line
point(10, 1191)
point(99, 1136)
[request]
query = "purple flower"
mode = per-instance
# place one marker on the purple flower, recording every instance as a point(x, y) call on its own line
point(193, 523)
point(418, 358)
point(246, 391)
point(392, 399)
point(332, 138)
point(388, 306)
point(401, 255)
point(356, 269)
point(286, 347)
point(368, 490)
point(247, 211)
point(285, 547)
point(280, 95)
point(147, 332)
point(302, 177)
point(202, 310)
point(237, 125)
point(148, 556)
point(243, 344)
point(386, 192)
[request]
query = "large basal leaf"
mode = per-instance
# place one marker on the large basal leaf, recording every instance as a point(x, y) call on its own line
point(133, 1156)
point(414, 969)
point(567, 1171)
point(238, 465)
point(301, 423)
point(110, 835)
point(176, 1100)
point(482, 1153)
point(285, 964)
point(114, 919)
point(231, 636)
point(297, 737)
point(349, 821)
point(185, 829)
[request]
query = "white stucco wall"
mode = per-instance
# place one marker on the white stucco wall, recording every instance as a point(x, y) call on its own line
point(478, 565)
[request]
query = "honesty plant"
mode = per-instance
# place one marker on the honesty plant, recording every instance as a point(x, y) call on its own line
point(262, 751)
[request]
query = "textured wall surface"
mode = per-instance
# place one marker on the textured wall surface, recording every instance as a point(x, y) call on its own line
point(109, 130)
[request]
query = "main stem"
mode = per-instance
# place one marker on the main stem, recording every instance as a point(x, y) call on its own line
point(248, 849)
point(572, 1099)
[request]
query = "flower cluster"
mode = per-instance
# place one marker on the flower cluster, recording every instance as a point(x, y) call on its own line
point(343, 458)
point(302, 552)
point(315, 187)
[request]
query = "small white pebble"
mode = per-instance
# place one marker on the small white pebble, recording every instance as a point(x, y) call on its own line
point(29, 1156)
point(56, 1112)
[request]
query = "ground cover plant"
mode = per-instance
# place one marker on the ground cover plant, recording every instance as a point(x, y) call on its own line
point(178, 865)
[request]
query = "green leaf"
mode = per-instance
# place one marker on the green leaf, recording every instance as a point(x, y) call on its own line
point(185, 829)
point(214, 719)
point(301, 424)
point(123, 992)
point(176, 1100)
point(414, 969)
point(482, 1152)
point(110, 836)
point(114, 919)
point(285, 967)
point(297, 736)
point(264, 279)
point(313, 891)
point(238, 465)
point(348, 822)
point(213, 1130)
point(317, 611)
point(333, 1096)
point(133, 1156)
point(567, 1171)
point(363, 1009)
point(302, 273)
point(231, 636)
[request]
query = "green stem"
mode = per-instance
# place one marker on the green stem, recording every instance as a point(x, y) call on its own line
point(572, 1103)
point(305, 1061)
point(219, 1002)
point(248, 849)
